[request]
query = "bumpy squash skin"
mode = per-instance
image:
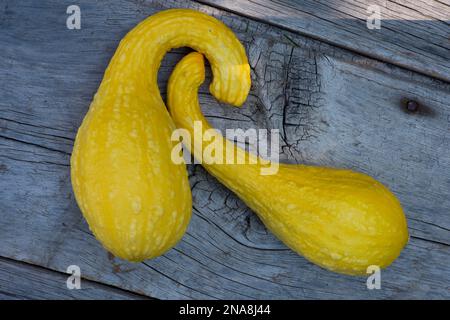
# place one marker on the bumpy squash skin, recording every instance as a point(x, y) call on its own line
point(341, 220)
point(136, 201)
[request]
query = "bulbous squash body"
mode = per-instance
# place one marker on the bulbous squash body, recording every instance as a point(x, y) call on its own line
point(136, 200)
point(341, 220)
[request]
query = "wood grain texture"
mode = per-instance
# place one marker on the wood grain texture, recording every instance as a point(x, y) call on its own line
point(414, 34)
point(22, 281)
point(333, 107)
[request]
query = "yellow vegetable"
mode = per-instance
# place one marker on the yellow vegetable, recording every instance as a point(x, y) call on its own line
point(341, 220)
point(136, 201)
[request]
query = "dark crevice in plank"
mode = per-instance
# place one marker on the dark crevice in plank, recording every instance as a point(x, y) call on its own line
point(39, 127)
point(39, 135)
point(37, 162)
point(178, 283)
point(430, 224)
point(34, 144)
point(430, 241)
point(35, 117)
point(9, 295)
point(222, 118)
point(39, 268)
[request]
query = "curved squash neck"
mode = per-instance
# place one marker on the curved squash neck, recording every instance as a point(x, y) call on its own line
point(183, 91)
point(176, 28)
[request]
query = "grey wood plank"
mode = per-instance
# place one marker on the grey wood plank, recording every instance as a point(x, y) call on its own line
point(332, 106)
point(22, 281)
point(414, 34)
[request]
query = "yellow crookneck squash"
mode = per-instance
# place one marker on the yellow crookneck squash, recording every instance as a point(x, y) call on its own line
point(136, 201)
point(339, 219)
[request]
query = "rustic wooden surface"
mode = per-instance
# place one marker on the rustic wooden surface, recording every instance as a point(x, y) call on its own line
point(332, 106)
point(20, 281)
point(414, 33)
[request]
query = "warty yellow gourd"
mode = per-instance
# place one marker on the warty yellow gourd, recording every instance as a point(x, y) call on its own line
point(341, 220)
point(136, 200)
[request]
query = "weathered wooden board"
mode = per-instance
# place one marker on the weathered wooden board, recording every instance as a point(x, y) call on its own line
point(19, 281)
point(414, 34)
point(332, 107)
